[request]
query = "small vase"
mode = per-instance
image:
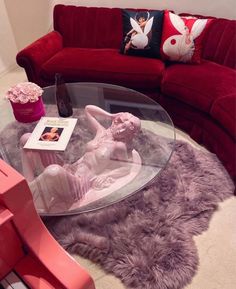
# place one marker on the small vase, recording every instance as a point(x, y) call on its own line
point(28, 112)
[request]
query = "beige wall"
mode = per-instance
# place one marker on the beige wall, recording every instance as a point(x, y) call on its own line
point(29, 19)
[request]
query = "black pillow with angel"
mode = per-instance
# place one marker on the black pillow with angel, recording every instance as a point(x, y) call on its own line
point(142, 32)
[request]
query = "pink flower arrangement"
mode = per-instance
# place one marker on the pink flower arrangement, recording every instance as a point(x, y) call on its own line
point(24, 92)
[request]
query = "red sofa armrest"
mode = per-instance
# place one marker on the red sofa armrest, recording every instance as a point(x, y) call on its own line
point(33, 56)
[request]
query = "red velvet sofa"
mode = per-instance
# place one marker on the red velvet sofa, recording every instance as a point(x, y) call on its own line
point(200, 98)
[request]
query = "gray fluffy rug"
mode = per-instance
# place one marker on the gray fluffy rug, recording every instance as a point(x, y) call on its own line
point(147, 239)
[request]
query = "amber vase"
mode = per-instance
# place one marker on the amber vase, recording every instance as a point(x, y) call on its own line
point(63, 100)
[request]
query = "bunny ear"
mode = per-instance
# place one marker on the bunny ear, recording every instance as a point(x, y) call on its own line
point(148, 26)
point(177, 22)
point(198, 27)
point(135, 25)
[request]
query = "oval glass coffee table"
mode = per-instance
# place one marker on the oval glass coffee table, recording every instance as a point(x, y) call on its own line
point(152, 147)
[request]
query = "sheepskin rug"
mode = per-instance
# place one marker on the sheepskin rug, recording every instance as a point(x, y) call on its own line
point(145, 240)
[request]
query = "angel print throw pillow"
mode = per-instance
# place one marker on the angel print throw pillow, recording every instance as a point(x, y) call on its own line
point(142, 32)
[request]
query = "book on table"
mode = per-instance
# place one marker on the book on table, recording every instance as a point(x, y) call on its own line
point(51, 133)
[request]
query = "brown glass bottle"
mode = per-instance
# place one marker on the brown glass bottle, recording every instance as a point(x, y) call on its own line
point(63, 100)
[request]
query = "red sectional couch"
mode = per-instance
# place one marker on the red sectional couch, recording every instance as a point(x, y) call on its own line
point(200, 98)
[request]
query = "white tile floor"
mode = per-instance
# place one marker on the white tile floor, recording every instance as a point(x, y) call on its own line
point(216, 246)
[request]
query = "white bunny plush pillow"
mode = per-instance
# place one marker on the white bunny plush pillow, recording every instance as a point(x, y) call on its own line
point(142, 32)
point(182, 38)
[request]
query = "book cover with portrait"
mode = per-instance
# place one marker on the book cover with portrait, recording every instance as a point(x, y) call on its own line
point(51, 133)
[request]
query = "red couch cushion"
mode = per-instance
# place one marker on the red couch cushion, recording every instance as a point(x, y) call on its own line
point(224, 110)
point(104, 65)
point(199, 85)
point(89, 27)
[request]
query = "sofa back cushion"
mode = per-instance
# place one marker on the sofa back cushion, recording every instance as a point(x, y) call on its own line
point(88, 27)
point(220, 43)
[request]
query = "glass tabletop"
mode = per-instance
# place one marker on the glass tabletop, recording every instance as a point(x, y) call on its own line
point(74, 189)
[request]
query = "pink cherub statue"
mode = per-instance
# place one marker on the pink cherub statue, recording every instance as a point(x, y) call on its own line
point(108, 157)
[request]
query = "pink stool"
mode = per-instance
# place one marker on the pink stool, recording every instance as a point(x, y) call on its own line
point(26, 246)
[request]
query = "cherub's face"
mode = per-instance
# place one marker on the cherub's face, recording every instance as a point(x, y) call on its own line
point(124, 126)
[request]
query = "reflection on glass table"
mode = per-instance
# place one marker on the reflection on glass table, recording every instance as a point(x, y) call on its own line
point(110, 156)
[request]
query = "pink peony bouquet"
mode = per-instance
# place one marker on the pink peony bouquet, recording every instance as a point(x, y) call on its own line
point(24, 92)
